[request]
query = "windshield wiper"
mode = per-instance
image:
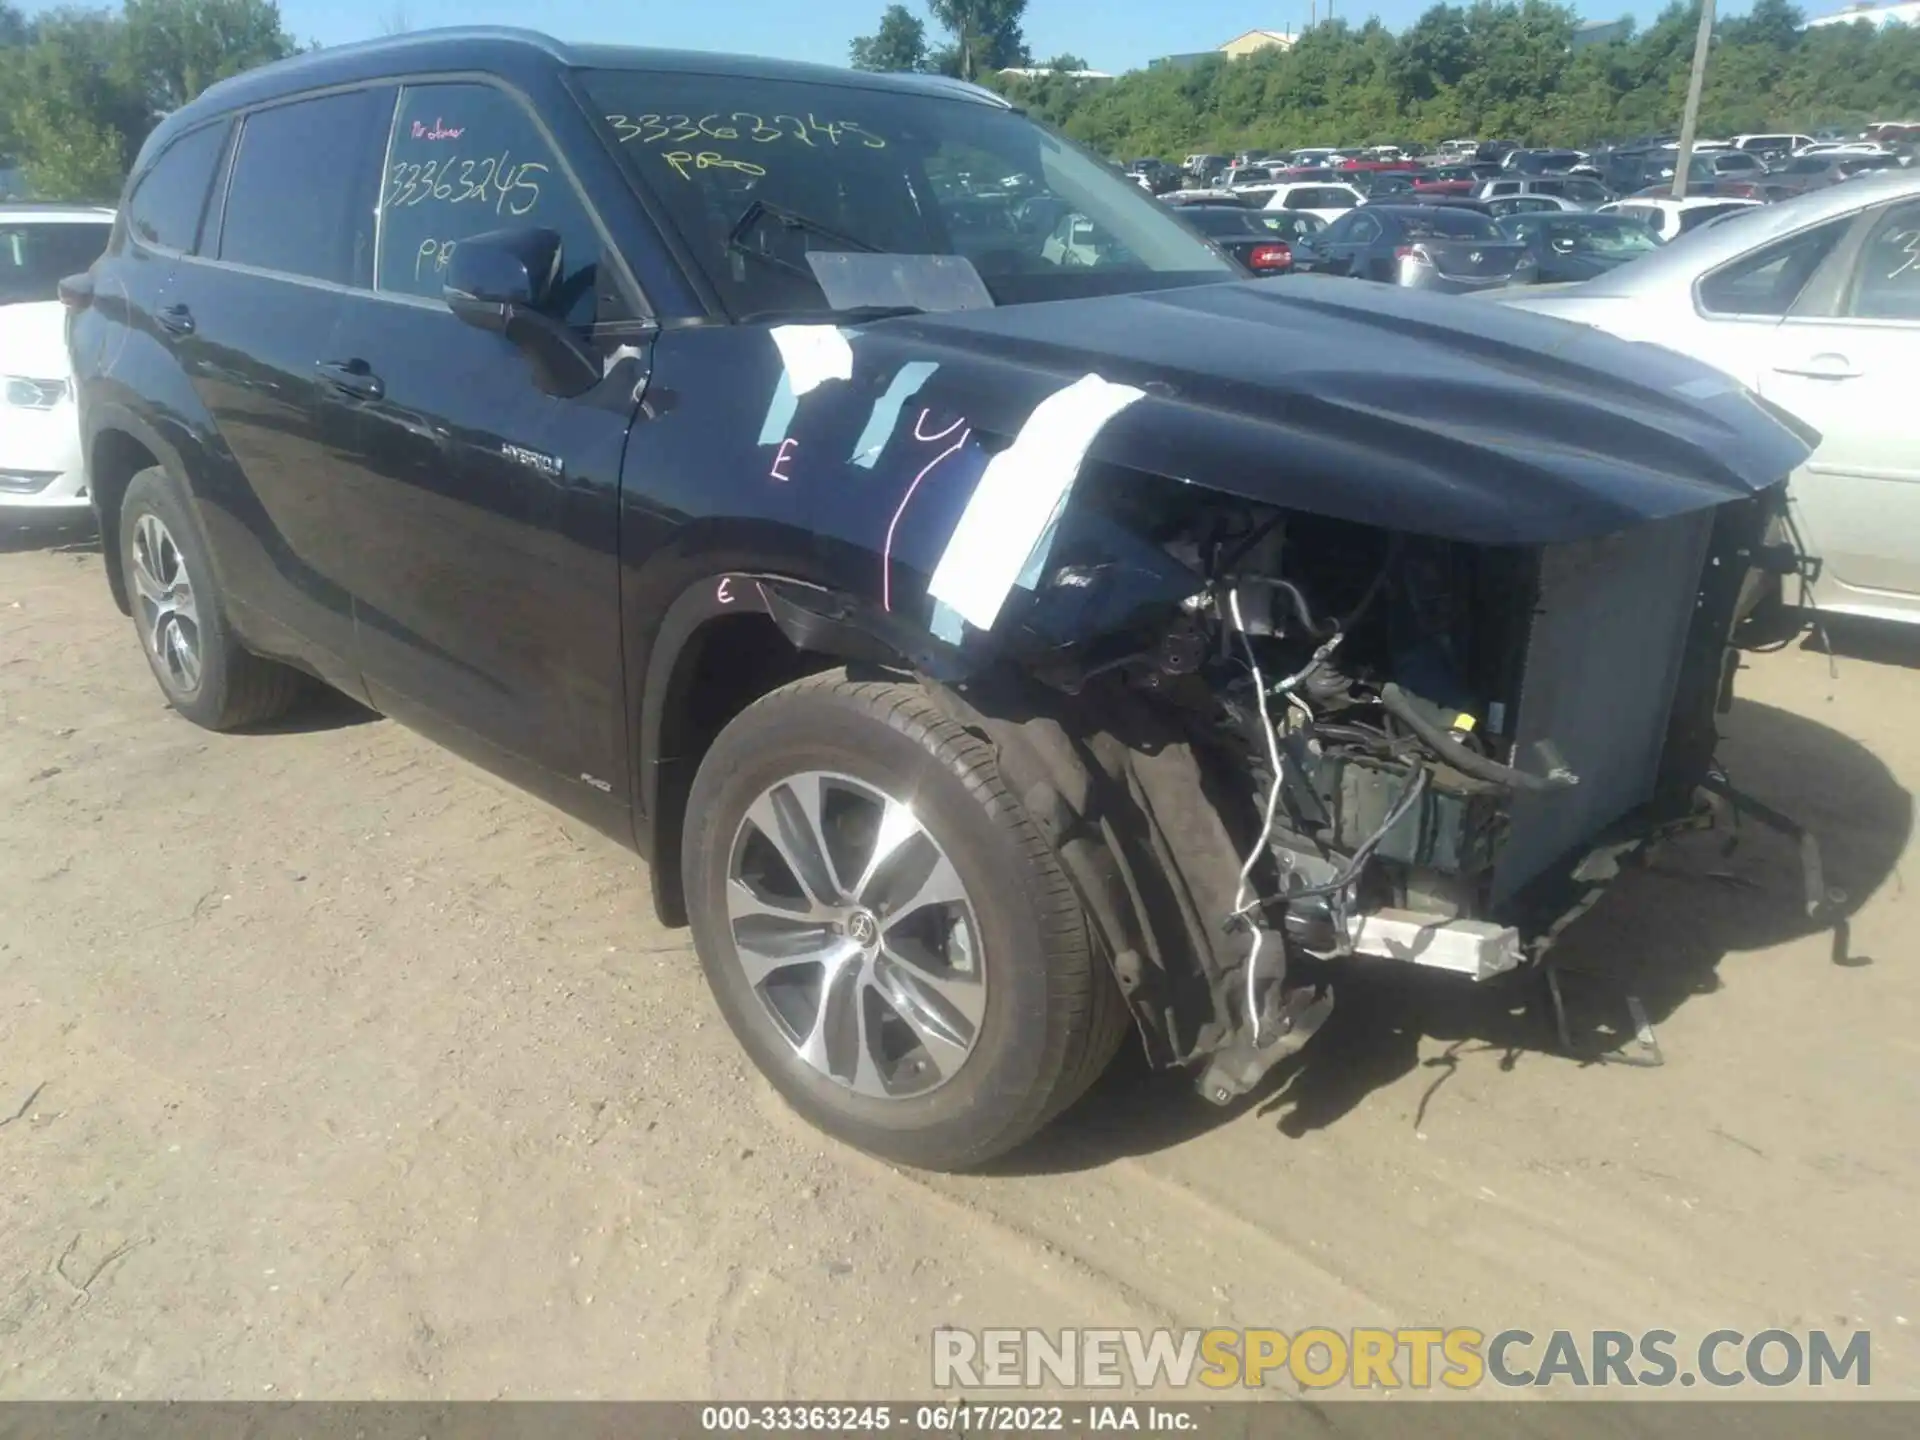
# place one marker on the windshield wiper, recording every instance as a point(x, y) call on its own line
point(760, 210)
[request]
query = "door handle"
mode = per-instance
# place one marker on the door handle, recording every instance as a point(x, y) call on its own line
point(353, 378)
point(175, 319)
point(1828, 366)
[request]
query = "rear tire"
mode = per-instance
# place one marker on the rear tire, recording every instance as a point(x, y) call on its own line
point(1034, 1008)
point(205, 673)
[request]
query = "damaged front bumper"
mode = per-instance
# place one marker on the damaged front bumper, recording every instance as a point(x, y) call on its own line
point(1287, 675)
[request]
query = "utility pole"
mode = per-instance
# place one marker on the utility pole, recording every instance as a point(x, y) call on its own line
point(1695, 83)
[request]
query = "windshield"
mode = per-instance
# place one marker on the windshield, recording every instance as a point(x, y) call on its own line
point(1219, 220)
point(34, 258)
point(1320, 197)
point(1699, 215)
point(756, 174)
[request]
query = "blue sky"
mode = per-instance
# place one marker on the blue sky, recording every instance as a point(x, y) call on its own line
point(1124, 36)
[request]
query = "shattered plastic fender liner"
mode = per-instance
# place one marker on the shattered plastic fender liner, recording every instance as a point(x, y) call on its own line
point(1020, 496)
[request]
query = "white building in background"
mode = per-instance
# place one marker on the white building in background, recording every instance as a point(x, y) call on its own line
point(1040, 72)
point(1904, 12)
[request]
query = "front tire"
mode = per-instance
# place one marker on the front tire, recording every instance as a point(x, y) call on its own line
point(201, 668)
point(887, 933)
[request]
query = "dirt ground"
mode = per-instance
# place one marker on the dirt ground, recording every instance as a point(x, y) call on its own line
point(330, 1066)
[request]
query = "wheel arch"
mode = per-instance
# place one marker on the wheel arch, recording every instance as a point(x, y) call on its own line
point(119, 444)
point(730, 638)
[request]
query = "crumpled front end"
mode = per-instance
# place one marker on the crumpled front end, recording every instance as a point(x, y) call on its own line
point(1267, 737)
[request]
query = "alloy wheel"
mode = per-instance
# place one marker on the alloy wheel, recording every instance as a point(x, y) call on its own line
point(169, 614)
point(856, 935)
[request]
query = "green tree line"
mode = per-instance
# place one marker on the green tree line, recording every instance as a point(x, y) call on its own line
point(81, 88)
point(1502, 69)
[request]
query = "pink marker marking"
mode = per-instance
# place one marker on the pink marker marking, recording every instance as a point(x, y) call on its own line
point(886, 553)
point(918, 435)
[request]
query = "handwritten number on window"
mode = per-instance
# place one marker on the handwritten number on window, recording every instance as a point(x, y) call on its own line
point(512, 189)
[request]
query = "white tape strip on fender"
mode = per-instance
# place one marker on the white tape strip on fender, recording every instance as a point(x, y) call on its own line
point(1021, 491)
point(813, 354)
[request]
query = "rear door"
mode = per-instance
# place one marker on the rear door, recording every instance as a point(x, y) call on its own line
point(1846, 361)
point(252, 316)
point(481, 512)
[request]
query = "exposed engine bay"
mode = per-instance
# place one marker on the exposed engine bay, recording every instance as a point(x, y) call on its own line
point(1344, 740)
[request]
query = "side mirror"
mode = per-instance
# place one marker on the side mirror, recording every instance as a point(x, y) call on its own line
point(501, 281)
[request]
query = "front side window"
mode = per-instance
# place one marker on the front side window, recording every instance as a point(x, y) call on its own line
point(1768, 281)
point(167, 205)
point(757, 175)
point(464, 160)
point(35, 257)
point(1886, 279)
point(304, 183)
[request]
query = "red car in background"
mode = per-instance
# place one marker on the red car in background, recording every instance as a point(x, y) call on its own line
point(1381, 165)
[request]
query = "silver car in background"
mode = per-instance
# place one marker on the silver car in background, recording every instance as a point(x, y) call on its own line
point(1814, 303)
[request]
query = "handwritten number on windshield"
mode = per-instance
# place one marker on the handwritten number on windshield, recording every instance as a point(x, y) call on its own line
point(682, 129)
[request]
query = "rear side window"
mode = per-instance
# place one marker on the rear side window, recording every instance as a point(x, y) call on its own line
point(304, 183)
point(168, 203)
point(466, 159)
point(1768, 281)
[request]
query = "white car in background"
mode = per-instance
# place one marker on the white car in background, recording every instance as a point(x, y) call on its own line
point(40, 462)
point(1669, 218)
point(1842, 147)
point(1325, 198)
point(1813, 303)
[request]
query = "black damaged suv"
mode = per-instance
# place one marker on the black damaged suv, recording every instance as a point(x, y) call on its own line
point(999, 624)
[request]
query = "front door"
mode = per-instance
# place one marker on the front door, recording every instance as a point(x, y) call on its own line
point(483, 512)
point(1849, 372)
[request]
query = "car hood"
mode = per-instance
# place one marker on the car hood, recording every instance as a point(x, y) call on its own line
point(1371, 403)
point(33, 339)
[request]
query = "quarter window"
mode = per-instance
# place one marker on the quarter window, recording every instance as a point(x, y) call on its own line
point(302, 195)
point(466, 160)
point(1768, 281)
point(168, 203)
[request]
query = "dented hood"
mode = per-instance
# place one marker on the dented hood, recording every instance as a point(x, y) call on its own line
point(1427, 413)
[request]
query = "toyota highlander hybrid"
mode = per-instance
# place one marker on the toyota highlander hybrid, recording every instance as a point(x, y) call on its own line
point(1001, 624)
